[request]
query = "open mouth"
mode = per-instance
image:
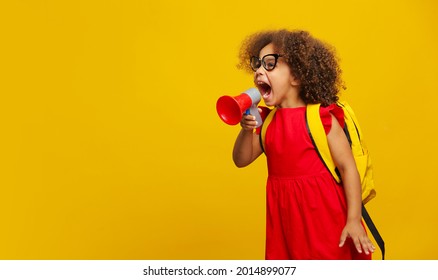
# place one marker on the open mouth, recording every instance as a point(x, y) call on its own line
point(264, 89)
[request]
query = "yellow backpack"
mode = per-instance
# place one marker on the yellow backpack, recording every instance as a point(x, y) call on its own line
point(353, 132)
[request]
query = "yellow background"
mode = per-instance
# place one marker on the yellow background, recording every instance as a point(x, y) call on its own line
point(111, 147)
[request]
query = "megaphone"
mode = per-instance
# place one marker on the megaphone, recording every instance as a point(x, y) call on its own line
point(231, 109)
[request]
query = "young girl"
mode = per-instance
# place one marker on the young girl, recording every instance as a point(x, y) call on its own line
point(309, 215)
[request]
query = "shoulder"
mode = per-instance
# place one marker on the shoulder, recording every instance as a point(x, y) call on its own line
point(264, 112)
point(330, 114)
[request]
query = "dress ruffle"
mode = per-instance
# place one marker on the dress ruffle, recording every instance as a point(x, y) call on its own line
point(326, 116)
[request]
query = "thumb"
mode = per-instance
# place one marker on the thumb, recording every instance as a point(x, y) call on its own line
point(344, 236)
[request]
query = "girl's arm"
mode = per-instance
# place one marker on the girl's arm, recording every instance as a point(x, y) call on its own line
point(344, 161)
point(247, 146)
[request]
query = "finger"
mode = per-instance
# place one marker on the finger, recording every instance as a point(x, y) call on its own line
point(248, 125)
point(368, 245)
point(344, 236)
point(357, 244)
point(365, 246)
point(249, 120)
point(249, 117)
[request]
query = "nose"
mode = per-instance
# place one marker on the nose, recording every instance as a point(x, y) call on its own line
point(260, 71)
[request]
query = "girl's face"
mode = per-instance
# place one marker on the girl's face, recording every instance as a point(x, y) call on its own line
point(277, 85)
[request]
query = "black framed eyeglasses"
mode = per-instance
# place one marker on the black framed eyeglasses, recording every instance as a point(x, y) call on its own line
point(268, 61)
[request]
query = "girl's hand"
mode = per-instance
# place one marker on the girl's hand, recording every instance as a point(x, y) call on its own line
point(356, 232)
point(248, 122)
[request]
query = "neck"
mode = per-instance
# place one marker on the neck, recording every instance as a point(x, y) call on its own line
point(292, 102)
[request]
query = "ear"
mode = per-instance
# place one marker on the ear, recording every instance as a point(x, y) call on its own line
point(294, 81)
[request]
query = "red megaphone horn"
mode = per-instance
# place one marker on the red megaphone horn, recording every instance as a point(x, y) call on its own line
point(231, 109)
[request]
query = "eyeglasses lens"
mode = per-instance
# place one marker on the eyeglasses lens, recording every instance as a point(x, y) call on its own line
point(269, 62)
point(255, 63)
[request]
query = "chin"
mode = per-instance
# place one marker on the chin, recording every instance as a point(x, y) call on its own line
point(269, 103)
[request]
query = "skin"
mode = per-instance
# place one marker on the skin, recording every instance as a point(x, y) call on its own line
point(285, 94)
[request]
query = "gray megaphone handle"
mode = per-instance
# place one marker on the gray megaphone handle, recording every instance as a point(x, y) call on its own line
point(255, 96)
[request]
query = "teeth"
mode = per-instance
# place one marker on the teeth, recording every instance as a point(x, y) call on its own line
point(265, 89)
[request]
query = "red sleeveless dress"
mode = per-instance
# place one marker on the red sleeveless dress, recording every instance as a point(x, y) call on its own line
point(306, 209)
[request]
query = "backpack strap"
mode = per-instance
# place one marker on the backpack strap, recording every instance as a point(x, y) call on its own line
point(264, 128)
point(317, 134)
point(351, 121)
point(373, 229)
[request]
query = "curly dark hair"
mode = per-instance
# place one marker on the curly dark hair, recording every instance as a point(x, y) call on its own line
point(312, 62)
